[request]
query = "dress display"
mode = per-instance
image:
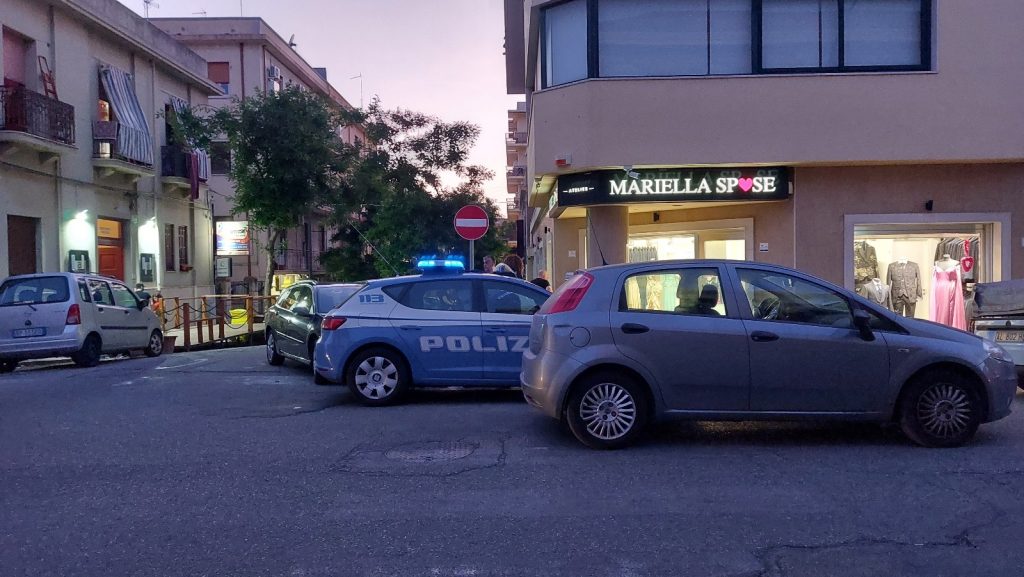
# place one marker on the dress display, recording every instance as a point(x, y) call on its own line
point(959, 249)
point(947, 304)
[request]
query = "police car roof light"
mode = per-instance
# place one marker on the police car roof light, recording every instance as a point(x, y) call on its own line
point(440, 265)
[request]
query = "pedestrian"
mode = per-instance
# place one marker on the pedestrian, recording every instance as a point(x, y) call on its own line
point(516, 264)
point(542, 280)
point(488, 263)
point(504, 270)
point(140, 291)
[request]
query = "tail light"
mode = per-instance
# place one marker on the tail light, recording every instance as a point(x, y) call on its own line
point(332, 323)
point(74, 316)
point(571, 295)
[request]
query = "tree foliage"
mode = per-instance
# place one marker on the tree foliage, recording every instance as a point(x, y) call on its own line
point(286, 157)
point(400, 208)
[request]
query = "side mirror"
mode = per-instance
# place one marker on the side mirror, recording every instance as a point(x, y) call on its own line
point(862, 320)
point(301, 310)
point(143, 304)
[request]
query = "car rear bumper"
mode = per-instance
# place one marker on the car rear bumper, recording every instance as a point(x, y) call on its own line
point(40, 347)
point(545, 379)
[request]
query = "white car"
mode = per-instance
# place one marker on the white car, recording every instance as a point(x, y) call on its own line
point(77, 315)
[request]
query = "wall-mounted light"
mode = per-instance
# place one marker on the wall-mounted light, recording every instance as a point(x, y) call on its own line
point(82, 215)
point(929, 205)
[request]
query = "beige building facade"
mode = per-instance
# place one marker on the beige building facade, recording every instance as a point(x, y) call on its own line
point(835, 137)
point(90, 177)
point(246, 55)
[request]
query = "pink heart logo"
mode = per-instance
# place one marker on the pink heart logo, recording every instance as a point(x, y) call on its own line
point(746, 184)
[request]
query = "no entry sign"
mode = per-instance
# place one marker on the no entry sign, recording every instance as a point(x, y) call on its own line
point(471, 222)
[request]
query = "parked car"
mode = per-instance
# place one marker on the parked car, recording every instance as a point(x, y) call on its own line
point(293, 322)
point(998, 315)
point(444, 327)
point(618, 346)
point(77, 315)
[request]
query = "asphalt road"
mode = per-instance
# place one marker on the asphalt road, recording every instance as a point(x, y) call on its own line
point(215, 464)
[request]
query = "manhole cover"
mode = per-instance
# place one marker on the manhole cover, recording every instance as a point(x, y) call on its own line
point(431, 452)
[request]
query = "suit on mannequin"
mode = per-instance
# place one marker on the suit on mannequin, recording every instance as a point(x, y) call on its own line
point(904, 280)
point(877, 292)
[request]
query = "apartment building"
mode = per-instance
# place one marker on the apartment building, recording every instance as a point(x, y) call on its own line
point(838, 137)
point(245, 55)
point(91, 177)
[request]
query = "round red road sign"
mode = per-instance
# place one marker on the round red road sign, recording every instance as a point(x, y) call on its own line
point(471, 222)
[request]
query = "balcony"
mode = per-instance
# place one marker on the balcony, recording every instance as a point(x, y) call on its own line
point(106, 159)
point(517, 172)
point(176, 168)
point(517, 138)
point(294, 260)
point(36, 122)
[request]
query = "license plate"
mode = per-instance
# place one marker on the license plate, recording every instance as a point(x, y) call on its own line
point(33, 332)
point(1010, 337)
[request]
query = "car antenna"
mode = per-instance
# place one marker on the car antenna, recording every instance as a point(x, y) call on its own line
point(590, 226)
point(373, 248)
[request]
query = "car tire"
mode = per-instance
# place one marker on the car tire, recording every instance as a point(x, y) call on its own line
point(8, 366)
point(940, 409)
point(273, 357)
point(607, 410)
point(89, 354)
point(155, 348)
point(378, 376)
point(312, 366)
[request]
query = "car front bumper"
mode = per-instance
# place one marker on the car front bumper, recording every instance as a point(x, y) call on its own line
point(545, 379)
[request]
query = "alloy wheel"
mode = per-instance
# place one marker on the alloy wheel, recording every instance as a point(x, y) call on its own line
point(944, 410)
point(608, 411)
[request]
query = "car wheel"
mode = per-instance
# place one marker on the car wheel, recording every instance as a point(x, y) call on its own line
point(273, 357)
point(940, 409)
point(312, 366)
point(156, 344)
point(607, 411)
point(378, 376)
point(8, 366)
point(89, 354)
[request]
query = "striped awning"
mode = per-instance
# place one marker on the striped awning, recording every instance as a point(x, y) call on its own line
point(133, 139)
point(179, 105)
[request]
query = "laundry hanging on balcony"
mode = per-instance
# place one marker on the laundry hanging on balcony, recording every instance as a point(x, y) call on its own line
point(133, 140)
point(203, 158)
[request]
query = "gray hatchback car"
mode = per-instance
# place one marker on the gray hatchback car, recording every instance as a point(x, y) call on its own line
point(618, 346)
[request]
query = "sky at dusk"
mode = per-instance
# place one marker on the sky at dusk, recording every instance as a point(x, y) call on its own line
point(441, 57)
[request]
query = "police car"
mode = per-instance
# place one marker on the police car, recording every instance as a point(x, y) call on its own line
point(444, 327)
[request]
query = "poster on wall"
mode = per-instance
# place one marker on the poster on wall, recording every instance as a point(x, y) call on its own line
point(223, 267)
point(147, 267)
point(78, 261)
point(232, 237)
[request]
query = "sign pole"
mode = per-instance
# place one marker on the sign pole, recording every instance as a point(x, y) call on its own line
point(472, 257)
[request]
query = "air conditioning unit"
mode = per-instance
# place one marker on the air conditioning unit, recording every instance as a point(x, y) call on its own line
point(273, 72)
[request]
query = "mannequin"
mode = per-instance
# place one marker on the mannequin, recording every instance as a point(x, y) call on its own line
point(947, 306)
point(877, 292)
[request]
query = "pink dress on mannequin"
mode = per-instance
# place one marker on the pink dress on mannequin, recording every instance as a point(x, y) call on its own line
point(947, 306)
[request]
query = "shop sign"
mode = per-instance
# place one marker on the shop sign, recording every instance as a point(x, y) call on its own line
point(232, 237)
point(673, 185)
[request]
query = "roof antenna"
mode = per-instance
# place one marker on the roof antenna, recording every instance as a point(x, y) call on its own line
point(146, 5)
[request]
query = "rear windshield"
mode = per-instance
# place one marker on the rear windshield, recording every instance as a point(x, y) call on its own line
point(34, 291)
point(332, 297)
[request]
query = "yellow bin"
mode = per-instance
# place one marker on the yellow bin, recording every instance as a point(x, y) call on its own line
point(237, 317)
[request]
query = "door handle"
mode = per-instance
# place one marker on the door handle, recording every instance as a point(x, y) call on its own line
point(409, 327)
point(100, 309)
point(763, 336)
point(634, 328)
point(495, 330)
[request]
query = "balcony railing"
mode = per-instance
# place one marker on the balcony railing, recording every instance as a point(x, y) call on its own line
point(36, 114)
point(516, 172)
point(176, 161)
point(295, 260)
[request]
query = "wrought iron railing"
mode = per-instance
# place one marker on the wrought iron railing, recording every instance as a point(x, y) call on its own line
point(22, 110)
point(177, 161)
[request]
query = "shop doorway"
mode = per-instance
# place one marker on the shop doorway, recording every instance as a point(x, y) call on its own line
point(22, 245)
point(712, 240)
point(110, 246)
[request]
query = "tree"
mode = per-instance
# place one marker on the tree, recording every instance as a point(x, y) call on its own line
point(286, 157)
point(397, 204)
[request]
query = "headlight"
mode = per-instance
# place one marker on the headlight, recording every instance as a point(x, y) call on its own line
point(996, 352)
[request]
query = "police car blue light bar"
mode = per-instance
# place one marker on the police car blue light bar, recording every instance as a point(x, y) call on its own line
point(433, 264)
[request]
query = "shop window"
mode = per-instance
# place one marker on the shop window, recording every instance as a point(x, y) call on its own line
point(169, 254)
point(220, 158)
point(780, 297)
point(220, 74)
point(692, 291)
point(183, 248)
point(565, 43)
point(925, 271)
